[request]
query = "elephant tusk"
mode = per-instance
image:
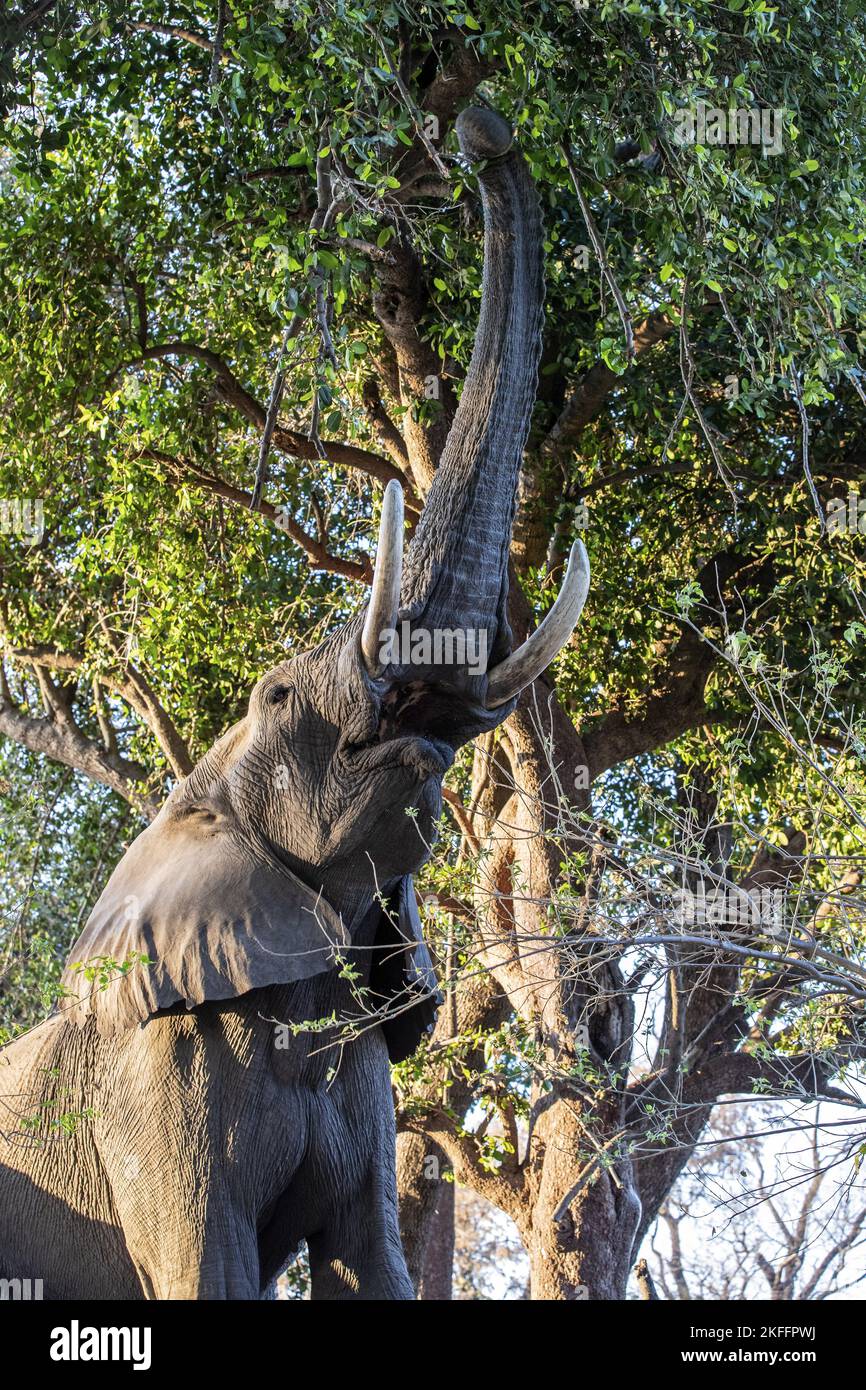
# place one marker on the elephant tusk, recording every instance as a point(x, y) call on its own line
point(521, 668)
point(385, 592)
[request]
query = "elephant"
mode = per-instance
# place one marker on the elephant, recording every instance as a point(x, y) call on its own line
point(256, 958)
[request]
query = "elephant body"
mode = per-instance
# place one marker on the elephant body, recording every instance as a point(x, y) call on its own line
point(211, 1154)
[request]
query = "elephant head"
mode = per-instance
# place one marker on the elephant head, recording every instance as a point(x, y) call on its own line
point(308, 815)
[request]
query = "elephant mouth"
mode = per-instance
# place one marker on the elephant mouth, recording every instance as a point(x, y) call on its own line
point(423, 709)
point(416, 726)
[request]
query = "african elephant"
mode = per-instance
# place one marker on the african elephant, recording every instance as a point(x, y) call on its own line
point(274, 890)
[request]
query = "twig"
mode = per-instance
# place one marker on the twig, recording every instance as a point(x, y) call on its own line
point(323, 205)
point(277, 386)
point(598, 247)
point(216, 59)
point(804, 425)
point(687, 372)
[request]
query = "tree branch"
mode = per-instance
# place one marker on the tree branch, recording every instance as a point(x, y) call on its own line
point(287, 440)
point(319, 556)
point(589, 395)
point(64, 743)
point(679, 704)
point(130, 684)
point(503, 1188)
point(399, 300)
point(177, 31)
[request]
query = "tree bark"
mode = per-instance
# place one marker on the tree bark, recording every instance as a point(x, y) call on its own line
point(438, 1270)
point(426, 1215)
point(579, 1249)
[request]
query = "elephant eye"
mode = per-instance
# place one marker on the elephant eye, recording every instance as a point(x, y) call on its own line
point(278, 695)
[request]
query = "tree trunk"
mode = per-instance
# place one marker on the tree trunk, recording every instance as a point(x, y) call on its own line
point(579, 1249)
point(438, 1270)
point(426, 1215)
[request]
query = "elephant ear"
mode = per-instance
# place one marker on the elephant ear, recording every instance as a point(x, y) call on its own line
point(402, 974)
point(192, 914)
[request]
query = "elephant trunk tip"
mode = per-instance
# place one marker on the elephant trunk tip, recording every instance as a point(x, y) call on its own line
point(483, 134)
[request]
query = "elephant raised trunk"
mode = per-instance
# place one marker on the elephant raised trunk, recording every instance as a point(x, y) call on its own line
point(456, 575)
point(456, 569)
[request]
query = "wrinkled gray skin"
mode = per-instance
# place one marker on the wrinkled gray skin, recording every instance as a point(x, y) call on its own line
point(212, 1153)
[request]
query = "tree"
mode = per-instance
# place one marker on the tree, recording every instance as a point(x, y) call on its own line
point(781, 1226)
point(241, 263)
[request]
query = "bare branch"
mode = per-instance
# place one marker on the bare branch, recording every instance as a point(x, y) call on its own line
point(177, 31)
point(64, 743)
point(127, 682)
point(645, 1281)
